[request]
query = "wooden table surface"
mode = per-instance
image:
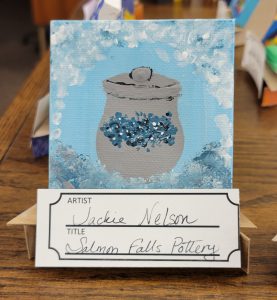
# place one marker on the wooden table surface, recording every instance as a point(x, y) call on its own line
point(255, 174)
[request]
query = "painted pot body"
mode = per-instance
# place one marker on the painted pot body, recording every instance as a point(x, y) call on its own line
point(141, 91)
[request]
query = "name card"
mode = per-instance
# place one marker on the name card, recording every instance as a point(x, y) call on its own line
point(138, 228)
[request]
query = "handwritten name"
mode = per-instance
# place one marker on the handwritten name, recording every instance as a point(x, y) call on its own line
point(154, 216)
point(107, 218)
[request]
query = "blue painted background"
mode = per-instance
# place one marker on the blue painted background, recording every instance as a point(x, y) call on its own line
point(84, 100)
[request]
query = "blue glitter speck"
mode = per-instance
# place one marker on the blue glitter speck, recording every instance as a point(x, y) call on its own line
point(140, 131)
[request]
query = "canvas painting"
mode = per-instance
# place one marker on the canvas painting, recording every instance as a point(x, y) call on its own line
point(141, 104)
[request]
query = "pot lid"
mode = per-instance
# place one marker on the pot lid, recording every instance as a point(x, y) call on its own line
point(142, 84)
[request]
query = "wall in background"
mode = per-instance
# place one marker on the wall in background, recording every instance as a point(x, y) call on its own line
point(16, 58)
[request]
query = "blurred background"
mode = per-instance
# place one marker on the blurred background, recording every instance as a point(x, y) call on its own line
point(18, 47)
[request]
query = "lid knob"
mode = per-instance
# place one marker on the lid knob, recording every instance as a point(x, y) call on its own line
point(141, 74)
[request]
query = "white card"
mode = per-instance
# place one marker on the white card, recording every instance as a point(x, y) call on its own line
point(254, 60)
point(223, 11)
point(138, 228)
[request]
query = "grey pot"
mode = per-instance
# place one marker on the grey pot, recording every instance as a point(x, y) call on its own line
point(140, 91)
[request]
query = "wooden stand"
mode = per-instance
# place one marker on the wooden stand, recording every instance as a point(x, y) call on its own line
point(27, 219)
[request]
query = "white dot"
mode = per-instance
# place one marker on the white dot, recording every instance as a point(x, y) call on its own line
point(57, 118)
point(60, 104)
point(57, 133)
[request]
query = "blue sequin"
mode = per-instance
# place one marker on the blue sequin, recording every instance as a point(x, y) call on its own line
point(140, 131)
